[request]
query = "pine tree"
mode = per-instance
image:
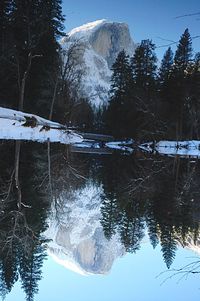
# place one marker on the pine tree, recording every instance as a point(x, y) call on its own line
point(39, 22)
point(50, 26)
point(122, 75)
point(34, 28)
point(183, 55)
point(166, 67)
point(8, 82)
point(144, 66)
point(193, 119)
point(121, 110)
point(181, 79)
point(165, 80)
point(144, 69)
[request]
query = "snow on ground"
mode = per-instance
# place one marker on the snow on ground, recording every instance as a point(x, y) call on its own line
point(21, 116)
point(16, 125)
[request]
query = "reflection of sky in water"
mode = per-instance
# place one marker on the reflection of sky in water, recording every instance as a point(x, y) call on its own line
point(133, 277)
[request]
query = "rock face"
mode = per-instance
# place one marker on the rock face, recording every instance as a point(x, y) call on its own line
point(78, 241)
point(111, 38)
point(101, 41)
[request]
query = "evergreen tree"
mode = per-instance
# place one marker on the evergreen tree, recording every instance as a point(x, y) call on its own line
point(42, 82)
point(166, 87)
point(144, 67)
point(34, 27)
point(183, 55)
point(8, 82)
point(121, 111)
point(166, 67)
point(144, 74)
point(181, 80)
point(122, 75)
point(193, 119)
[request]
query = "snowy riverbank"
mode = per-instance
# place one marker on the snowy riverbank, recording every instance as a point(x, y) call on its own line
point(16, 125)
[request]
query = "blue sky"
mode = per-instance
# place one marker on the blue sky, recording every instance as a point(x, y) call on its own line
point(152, 19)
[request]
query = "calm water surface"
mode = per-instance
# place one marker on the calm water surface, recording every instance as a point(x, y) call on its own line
point(90, 227)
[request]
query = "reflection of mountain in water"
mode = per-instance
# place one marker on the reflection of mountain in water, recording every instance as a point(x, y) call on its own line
point(102, 208)
point(79, 242)
point(159, 197)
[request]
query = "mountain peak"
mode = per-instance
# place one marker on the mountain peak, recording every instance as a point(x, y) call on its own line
point(86, 29)
point(101, 40)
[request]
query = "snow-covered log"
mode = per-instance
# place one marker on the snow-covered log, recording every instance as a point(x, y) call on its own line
point(16, 125)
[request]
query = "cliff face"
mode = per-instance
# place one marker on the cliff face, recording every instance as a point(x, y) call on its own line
point(101, 41)
point(111, 38)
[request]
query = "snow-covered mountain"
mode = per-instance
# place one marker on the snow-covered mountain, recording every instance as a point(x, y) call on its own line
point(78, 241)
point(101, 42)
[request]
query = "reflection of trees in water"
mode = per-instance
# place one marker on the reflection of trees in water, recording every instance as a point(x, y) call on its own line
point(27, 190)
point(159, 193)
point(63, 174)
point(22, 244)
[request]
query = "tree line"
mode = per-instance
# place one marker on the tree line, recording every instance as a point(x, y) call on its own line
point(151, 100)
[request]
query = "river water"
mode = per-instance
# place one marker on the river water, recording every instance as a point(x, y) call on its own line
point(105, 227)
